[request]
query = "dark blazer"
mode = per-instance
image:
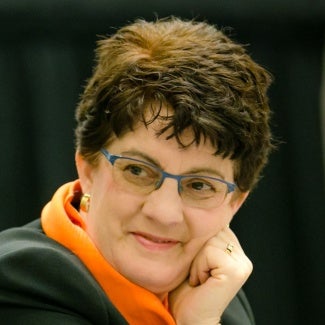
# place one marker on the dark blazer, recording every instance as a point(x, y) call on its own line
point(42, 282)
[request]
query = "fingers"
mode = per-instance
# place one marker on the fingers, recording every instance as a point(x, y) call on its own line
point(217, 273)
point(221, 258)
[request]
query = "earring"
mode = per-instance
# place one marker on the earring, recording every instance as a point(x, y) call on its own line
point(84, 202)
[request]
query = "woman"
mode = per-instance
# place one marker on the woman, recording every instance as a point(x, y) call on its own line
point(172, 135)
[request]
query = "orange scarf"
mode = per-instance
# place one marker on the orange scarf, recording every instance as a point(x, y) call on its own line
point(63, 223)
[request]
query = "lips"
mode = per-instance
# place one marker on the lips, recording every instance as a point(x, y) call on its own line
point(152, 242)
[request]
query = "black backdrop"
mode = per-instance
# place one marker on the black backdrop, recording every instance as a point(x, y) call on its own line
point(46, 53)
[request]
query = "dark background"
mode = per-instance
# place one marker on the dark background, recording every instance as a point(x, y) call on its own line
point(46, 54)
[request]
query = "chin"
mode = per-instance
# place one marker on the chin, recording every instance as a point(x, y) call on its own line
point(160, 284)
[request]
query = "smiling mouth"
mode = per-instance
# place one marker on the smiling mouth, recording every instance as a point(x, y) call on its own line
point(154, 243)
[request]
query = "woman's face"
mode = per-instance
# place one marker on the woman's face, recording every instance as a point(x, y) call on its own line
point(152, 239)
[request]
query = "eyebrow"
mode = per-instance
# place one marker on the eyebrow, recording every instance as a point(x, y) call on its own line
point(194, 171)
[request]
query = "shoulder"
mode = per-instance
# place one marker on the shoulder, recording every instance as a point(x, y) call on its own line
point(29, 248)
point(40, 274)
point(238, 311)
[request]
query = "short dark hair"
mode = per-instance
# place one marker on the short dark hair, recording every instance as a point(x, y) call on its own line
point(212, 85)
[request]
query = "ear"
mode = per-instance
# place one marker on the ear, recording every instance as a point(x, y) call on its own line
point(85, 171)
point(237, 200)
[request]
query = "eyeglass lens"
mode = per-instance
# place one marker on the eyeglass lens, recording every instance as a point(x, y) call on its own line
point(142, 178)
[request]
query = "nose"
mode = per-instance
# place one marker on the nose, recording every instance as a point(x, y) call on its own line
point(164, 205)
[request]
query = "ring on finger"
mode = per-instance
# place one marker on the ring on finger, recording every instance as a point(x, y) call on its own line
point(229, 248)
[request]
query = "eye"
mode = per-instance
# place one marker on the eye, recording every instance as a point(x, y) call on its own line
point(200, 185)
point(140, 174)
point(138, 170)
point(135, 170)
point(202, 188)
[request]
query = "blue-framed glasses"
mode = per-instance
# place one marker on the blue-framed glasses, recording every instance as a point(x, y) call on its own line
point(141, 177)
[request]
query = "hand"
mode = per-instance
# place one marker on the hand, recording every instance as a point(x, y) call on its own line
point(216, 275)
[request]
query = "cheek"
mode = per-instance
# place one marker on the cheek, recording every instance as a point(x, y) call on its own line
point(205, 224)
point(106, 202)
point(111, 204)
point(109, 218)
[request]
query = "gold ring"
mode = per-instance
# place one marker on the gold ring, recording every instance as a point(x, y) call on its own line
point(229, 248)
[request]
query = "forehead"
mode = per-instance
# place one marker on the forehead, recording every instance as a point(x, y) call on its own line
point(145, 142)
point(153, 127)
point(159, 119)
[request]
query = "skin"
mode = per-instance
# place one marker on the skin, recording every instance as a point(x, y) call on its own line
point(158, 242)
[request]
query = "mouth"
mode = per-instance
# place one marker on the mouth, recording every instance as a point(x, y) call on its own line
point(152, 242)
